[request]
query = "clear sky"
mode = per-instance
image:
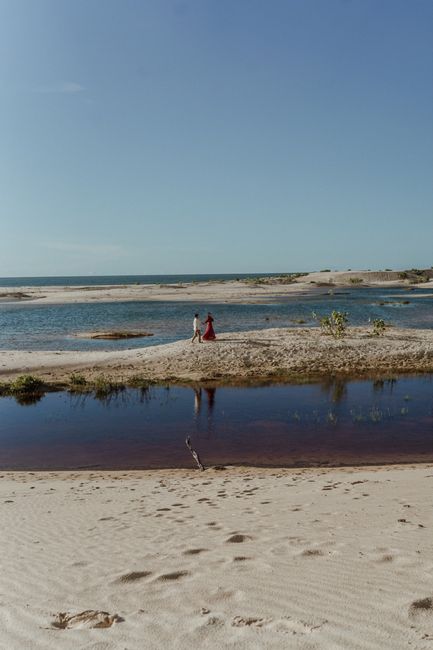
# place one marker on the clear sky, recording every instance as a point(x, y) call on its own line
point(195, 136)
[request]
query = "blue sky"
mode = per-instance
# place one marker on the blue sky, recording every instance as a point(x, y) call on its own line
point(157, 136)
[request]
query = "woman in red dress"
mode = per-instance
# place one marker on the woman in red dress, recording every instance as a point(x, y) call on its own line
point(209, 334)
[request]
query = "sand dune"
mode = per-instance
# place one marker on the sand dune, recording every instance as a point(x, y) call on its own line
point(235, 558)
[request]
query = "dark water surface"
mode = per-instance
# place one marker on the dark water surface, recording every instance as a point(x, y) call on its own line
point(30, 326)
point(332, 423)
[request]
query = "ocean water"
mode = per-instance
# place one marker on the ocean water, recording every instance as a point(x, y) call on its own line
point(33, 326)
point(96, 280)
point(331, 423)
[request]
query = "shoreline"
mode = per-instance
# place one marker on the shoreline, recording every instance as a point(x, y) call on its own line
point(248, 558)
point(271, 355)
point(241, 291)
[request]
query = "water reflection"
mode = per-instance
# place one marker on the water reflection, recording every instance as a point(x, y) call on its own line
point(332, 422)
point(210, 393)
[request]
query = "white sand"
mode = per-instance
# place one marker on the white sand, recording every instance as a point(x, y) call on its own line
point(271, 353)
point(204, 292)
point(238, 558)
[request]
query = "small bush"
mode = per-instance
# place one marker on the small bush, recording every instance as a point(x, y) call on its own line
point(379, 327)
point(325, 271)
point(104, 386)
point(334, 325)
point(26, 384)
point(355, 280)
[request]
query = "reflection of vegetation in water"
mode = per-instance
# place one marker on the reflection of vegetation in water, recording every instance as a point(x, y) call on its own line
point(331, 418)
point(337, 388)
point(27, 399)
point(357, 416)
point(380, 384)
point(376, 414)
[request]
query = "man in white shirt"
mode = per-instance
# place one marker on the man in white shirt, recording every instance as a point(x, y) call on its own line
point(196, 329)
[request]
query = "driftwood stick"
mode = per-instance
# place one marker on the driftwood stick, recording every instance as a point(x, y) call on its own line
point(194, 454)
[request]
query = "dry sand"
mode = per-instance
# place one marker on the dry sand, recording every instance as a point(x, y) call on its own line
point(205, 292)
point(274, 354)
point(241, 558)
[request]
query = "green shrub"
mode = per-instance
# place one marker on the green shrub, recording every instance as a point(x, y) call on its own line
point(26, 384)
point(355, 280)
point(379, 327)
point(334, 325)
point(104, 386)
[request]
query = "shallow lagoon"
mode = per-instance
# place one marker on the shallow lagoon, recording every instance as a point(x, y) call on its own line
point(30, 326)
point(332, 423)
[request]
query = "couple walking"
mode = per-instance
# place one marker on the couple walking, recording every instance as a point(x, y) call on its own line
point(209, 334)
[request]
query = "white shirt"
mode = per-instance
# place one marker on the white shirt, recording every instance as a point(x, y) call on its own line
point(196, 324)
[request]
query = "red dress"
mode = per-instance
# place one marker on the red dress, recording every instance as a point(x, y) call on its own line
point(209, 335)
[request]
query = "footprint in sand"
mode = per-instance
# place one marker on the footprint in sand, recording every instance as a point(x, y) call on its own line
point(312, 552)
point(238, 538)
point(249, 621)
point(87, 619)
point(421, 612)
point(421, 607)
point(176, 575)
point(133, 576)
point(195, 551)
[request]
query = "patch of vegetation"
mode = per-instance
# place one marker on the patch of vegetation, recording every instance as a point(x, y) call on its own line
point(104, 386)
point(138, 381)
point(420, 279)
point(77, 380)
point(356, 280)
point(379, 327)
point(26, 384)
point(325, 271)
point(26, 389)
point(334, 325)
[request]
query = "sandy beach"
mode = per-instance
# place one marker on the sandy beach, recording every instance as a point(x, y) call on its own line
point(226, 558)
point(271, 354)
point(217, 291)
